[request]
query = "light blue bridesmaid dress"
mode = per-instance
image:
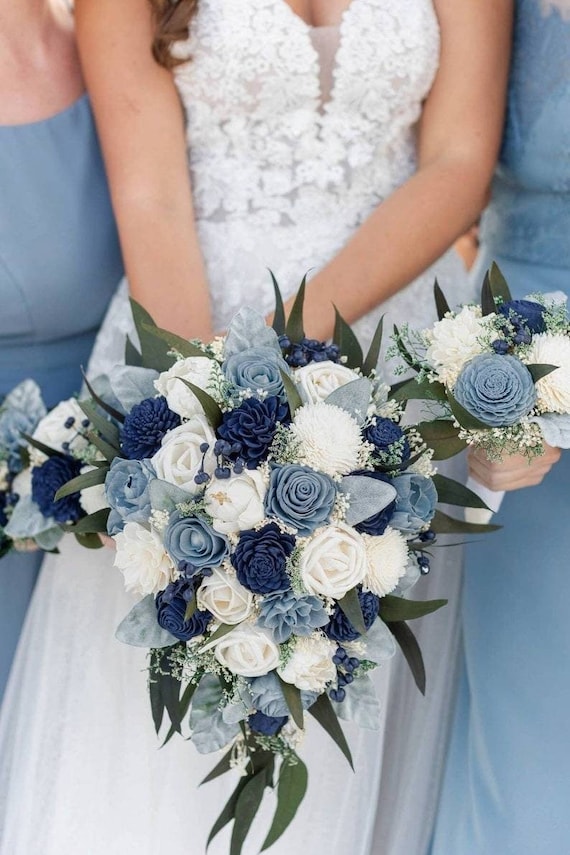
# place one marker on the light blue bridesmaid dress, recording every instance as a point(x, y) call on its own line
point(507, 782)
point(59, 266)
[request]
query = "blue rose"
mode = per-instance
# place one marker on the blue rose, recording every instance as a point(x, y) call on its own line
point(285, 615)
point(300, 497)
point(267, 696)
point(266, 724)
point(127, 492)
point(252, 427)
point(258, 369)
point(389, 439)
point(193, 544)
point(497, 390)
point(46, 481)
point(260, 559)
point(339, 628)
point(377, 523)
point(171, 605)
point(145, 426)
point(415, 503)
point(528, 311)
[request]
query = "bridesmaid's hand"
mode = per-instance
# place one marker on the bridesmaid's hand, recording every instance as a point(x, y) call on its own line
point(514, 473)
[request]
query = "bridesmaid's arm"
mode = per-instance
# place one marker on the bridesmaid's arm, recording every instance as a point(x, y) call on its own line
point(459, 139)
point(141, 126)
point(514, 472)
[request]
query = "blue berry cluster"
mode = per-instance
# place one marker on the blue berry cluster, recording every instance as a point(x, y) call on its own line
point(423, 560)
point(297, 355)
point(345, 667)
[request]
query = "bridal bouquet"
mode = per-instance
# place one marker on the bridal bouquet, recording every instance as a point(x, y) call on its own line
point(270, 508)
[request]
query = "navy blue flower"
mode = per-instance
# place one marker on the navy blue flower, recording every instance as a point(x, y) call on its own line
point(260, 559)
point(389, 439)
point(171, 605)
point(377, 523)
point(528, 311)
point(300, 497)
point(340, 628)
point(497, 390)
point(252, 426)
point(192, 544)
point(266, 724)
point(145, 427)
point(46, 481)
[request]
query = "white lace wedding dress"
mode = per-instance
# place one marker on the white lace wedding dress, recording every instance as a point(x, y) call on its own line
point(295, 135)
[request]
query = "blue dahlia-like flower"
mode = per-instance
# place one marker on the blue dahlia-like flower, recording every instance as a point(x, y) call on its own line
point(46, 481)
point(389, 439)
point(340, 628)
point(377, 523)
point(171, 605)
point(268, 725)
point(193, 545)
point(415, 503)
point(497, 390)
point(252, 426)
point(145, 427)
point(260, 559)
point(267, 696)
point(300, 497)
point(257, 369)
point(529, 312)
point(285, 615)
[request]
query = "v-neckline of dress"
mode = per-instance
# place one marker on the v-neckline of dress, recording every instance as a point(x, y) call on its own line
point(344, 15)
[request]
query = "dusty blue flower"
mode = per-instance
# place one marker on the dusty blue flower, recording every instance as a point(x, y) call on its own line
point(497, 390)
point(300, 497)
point(267, 696)
point(415, 503)
point(258, 369)
point(285, 614)
point(127, 492)
point(193, 544)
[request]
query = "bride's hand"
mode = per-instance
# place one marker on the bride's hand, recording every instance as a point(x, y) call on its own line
point(107, 541)
point(514, 473)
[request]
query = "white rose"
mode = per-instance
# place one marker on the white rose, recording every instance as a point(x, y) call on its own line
point(142, 559)
point(53, 432)
point(333, 561)
point(236, 504)
point(198, 370)
point(553, 391)
point(318, 380)
point(93, 499)
point(224, 596)
point(329, 438)
point(454, 341)
point(247, 651)
point(310, 666)
point(387, 561)
point(179, 458)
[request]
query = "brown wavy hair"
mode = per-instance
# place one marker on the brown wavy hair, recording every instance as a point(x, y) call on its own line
point(172, 20)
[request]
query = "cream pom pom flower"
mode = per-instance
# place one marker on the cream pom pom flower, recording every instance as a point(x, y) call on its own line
point(454, 341)
point(310, 666)
point(553, 391)
point(330, 440)
point(142, 559)
point(387, 557)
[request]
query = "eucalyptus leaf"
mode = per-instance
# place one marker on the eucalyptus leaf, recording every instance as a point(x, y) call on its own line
point(132, 355)
point(95, 523)
point(93, 478)
point(444, 524)
point(350, 605)
point(220, 768)
point(367, 497)
point(322, 710)
point(247, 805)
point(443, 437)
point(210, 406)
point(353, 398)
point(248, 329)
point(209, 730)
point(279, 314)
point(373, 355)
point(498, 283)
point(466, 419)
point(293, 397)
point(361, 705)
point(539, 371)
point(347, 341)
point(379, 641)
point(441, 303)
point(393, 609)
point(418, 390)
point(294, 328)
point(48, 540)
point(164, 496)
point(412, 652)
point(555, 429)
point(293, 700)
point(100, 390)
point(228, 811)
point(488, 305)
point(175, 343)
point(106, 428)
point(453, 493)
point(291, 790)
point(140, 627)
point(131, 385)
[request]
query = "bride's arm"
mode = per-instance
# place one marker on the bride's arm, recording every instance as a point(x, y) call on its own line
point(141, 126)
point(459, 138)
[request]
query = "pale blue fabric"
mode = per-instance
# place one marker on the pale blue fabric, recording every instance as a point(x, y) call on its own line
point(59, 266)
point(507, 782)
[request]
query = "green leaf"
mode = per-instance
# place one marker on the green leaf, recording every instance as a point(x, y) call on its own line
point(279, 314)
point(82, 482)
point(169, 687)
point(411, 650)
point(373, 355)
point(453, 493)
point(350, 605)
point(115, 414)
point(220, 769)
point(108, 451)
point(156, 704)
point(222, 630)
point(443, 524)
point(89, 541)
point(443, 436)
point(183, 708)
point(132, 356)
point(293, 398)
point(441, 303)
point(291, 790)
point(487, 300)
point(154, 350)
point(466, 419)
point(395, 609)
point(540, 371)
point(294, 328)
point(247, 805)
point(292, 697)
point(45, 449)
point(108, 430)
point(211, 408)
point(346, 340)
point(415, 389)
point(322, 710)
point(191, 608)
point(91, 524)
point(498, 283)
point(175, 342)
point(228, 812)
point(404, 352)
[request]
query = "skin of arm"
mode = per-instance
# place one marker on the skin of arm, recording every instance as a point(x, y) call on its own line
point(514, 472)
point(141, 127)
